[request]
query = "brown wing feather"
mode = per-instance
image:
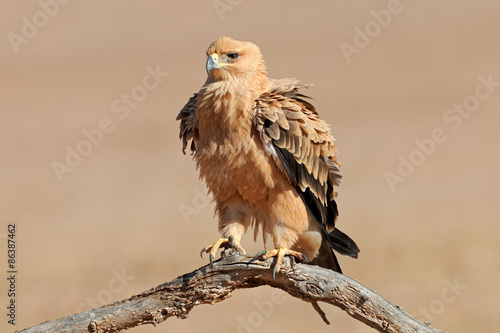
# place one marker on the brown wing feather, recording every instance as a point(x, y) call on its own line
point(305, 149)
point(188, 131)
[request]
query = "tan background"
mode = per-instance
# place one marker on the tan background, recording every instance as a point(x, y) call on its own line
point(119, 210)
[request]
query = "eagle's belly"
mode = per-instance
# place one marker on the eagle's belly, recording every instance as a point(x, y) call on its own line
point(238, 165)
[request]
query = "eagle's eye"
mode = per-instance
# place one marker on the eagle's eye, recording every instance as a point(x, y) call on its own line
point(233, 55)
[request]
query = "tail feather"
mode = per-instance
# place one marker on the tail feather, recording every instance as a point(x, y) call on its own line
point(342, 243)
point(338, 241)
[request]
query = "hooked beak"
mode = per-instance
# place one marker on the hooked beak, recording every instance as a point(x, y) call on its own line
point(212, 62)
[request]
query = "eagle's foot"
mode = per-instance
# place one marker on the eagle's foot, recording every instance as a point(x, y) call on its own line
point(280, 254)
point(222, 242)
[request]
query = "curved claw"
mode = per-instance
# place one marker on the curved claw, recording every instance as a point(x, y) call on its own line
point(211, 256)
point(203, 250)
point(274, 273)
point(231, 241)
point(259, 254)
point(304, 258)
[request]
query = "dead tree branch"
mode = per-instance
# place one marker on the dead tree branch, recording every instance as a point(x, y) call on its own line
point(209, 285)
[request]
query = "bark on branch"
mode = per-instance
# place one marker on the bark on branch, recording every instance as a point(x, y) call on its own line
point(209, 285)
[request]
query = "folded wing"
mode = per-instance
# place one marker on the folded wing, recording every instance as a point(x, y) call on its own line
point(304, 150)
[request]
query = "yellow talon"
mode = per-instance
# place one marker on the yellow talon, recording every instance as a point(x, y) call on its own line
point(280, 254)
point(225, 242)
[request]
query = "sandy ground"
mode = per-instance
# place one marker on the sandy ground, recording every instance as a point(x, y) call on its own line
point(420, 190)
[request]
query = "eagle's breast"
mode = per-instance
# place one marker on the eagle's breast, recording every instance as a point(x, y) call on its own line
point(229, 152)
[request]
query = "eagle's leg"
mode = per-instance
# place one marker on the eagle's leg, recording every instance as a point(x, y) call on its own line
point(234, 220)
point(222, 242)
point(280, 254)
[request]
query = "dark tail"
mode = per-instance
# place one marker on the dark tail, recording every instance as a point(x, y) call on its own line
point(338, 241)
point(342, 243)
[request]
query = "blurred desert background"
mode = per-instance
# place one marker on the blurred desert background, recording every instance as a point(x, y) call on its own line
point(130, 216)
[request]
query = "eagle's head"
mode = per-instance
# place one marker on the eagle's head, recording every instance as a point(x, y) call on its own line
point(235, 61)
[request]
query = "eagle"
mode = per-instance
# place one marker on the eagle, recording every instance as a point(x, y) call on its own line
point(267, 158)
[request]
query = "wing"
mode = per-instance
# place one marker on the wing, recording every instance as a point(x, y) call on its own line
point(302, 147)
point(188, 131)
point(304, 151)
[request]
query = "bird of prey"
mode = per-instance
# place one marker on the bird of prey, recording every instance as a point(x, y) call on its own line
point(267, 158)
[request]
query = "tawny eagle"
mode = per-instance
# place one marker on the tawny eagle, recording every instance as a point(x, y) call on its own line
point(267, 158)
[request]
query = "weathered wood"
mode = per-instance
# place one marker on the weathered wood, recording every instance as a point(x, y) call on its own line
point(209, 285)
